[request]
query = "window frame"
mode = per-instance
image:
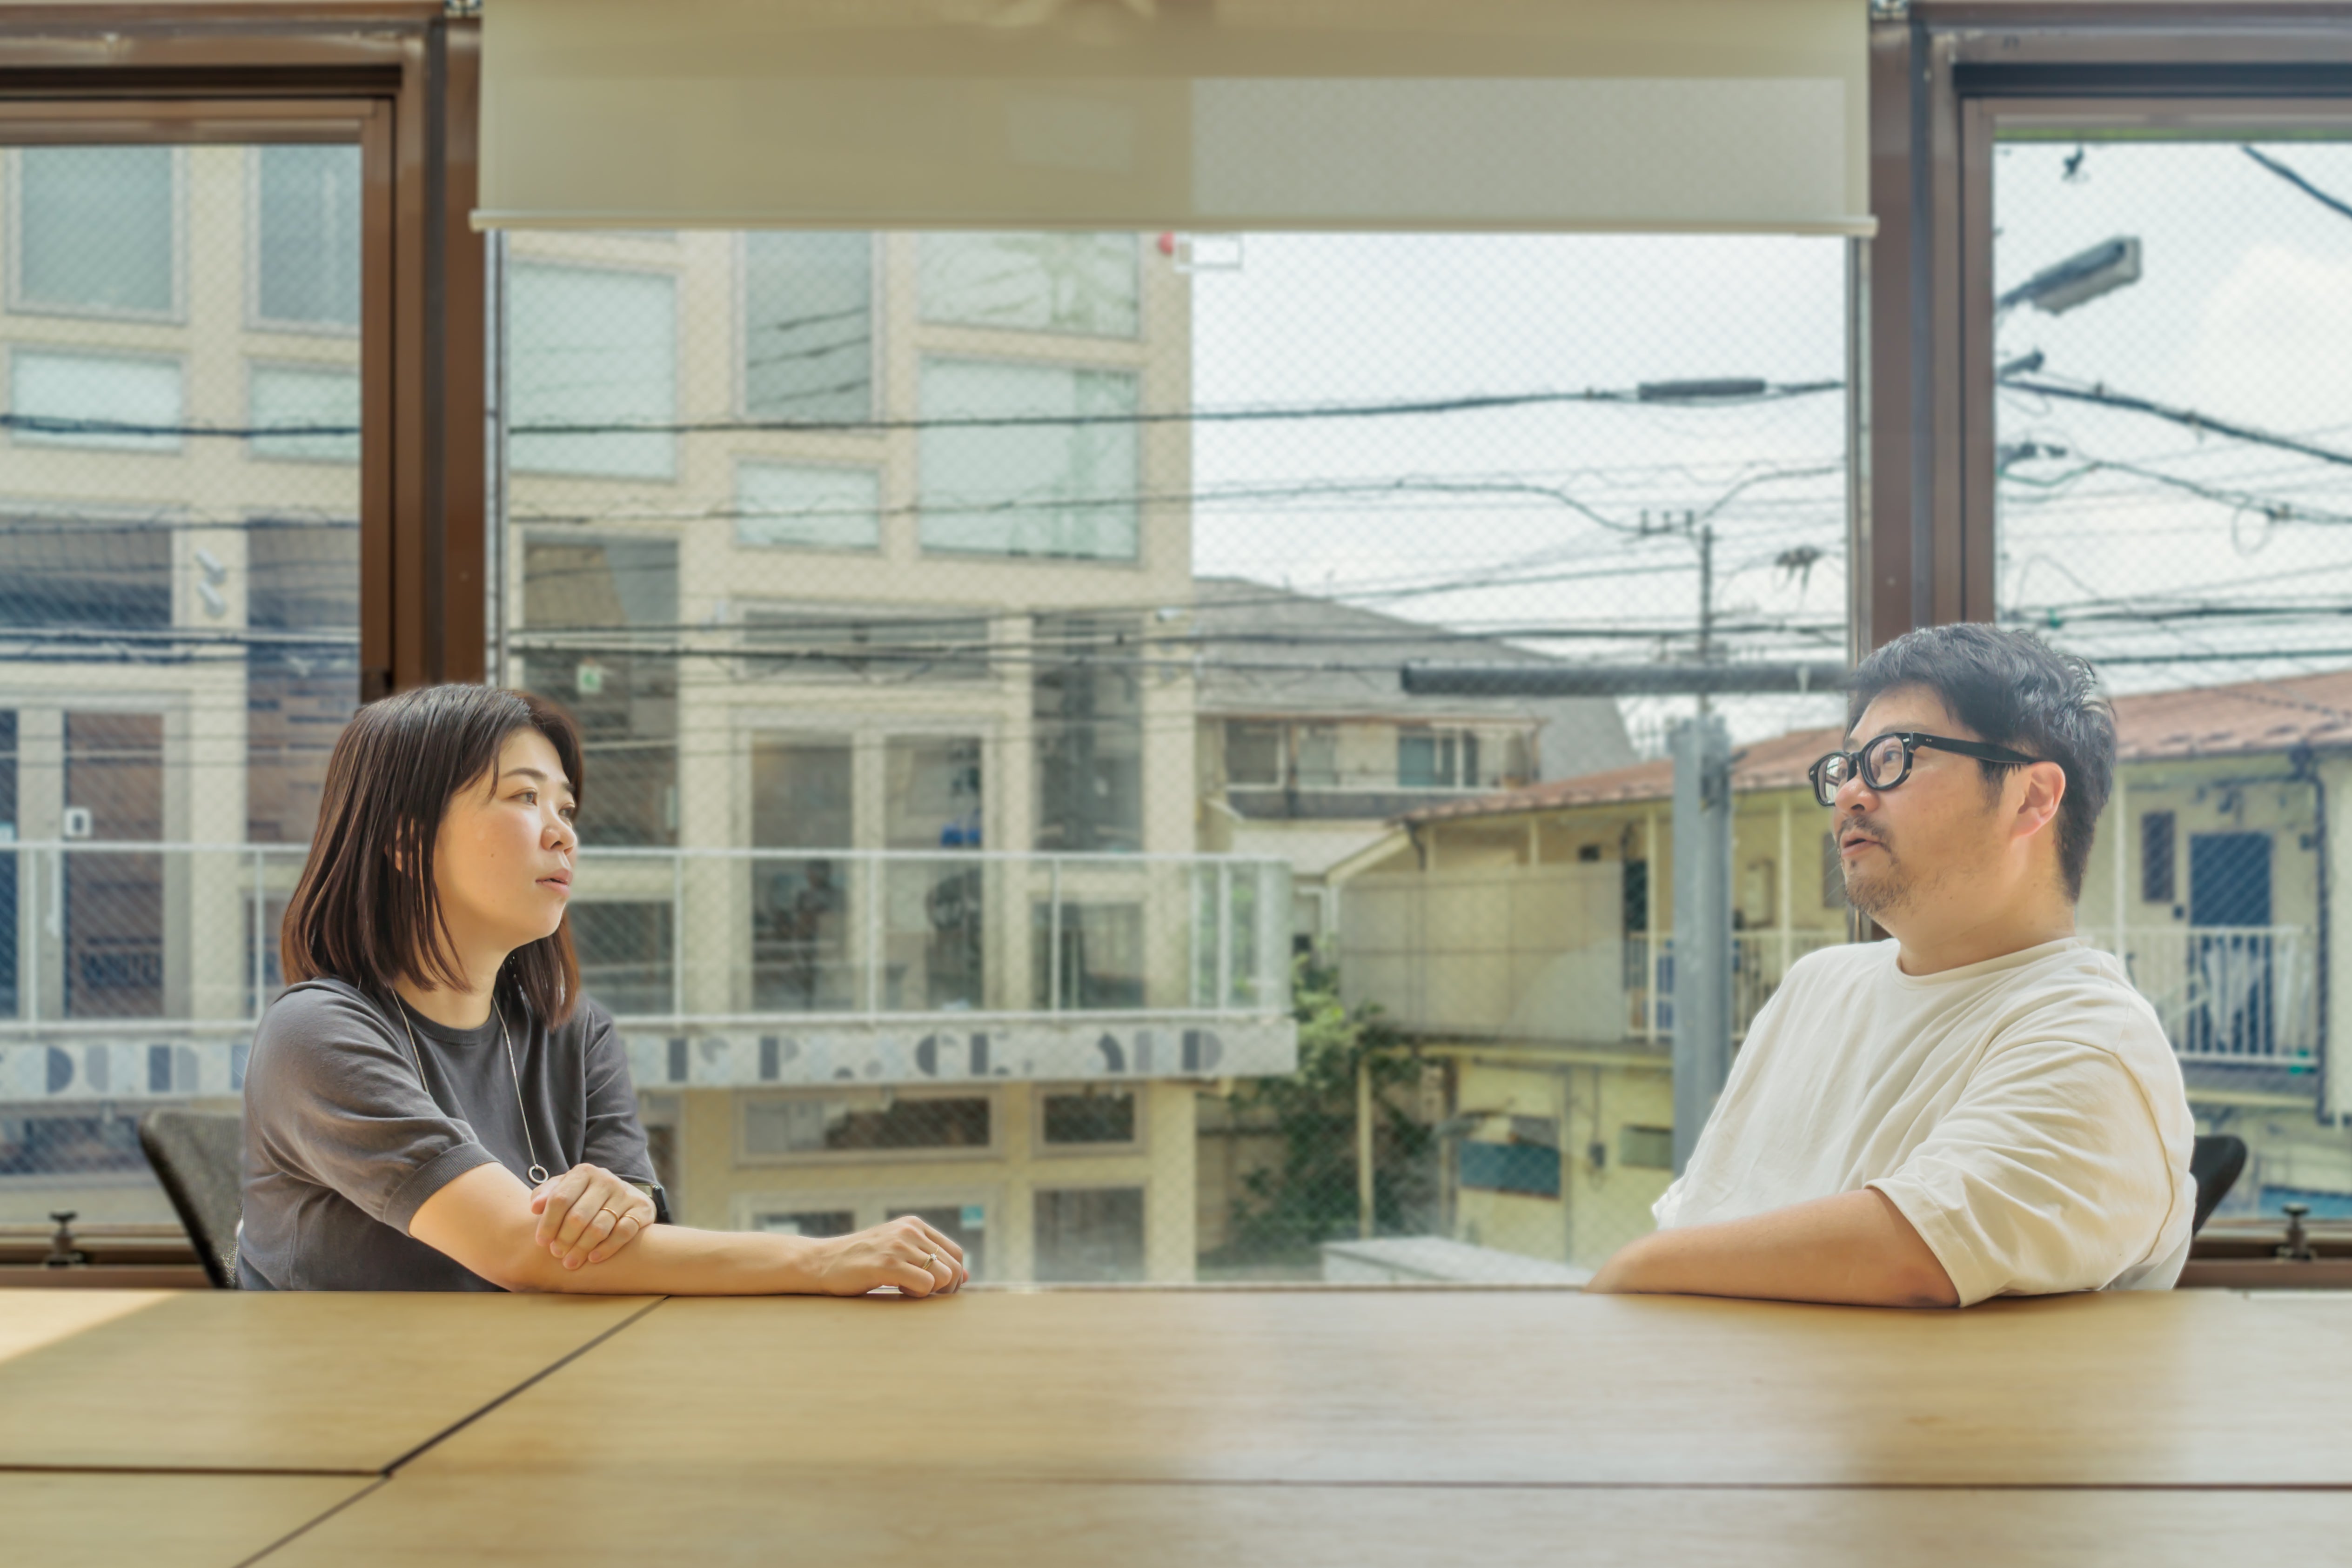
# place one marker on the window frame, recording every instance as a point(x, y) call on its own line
point(1138, 1146)
point(878, 358)
point(876, 467)
point(1140, 1186)
point(173, 315)
point(746, 1099)
point(401, 78)
point(1135, 340)
point(256, 320)
point(675, 273)
point(10, 353)
point(1134, 372)
point(252, 362)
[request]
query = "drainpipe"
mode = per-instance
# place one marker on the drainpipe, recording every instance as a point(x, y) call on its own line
point(2306, 768)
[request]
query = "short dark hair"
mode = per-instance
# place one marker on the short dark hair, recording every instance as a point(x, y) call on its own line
point(366, 910)
point(2015, 691)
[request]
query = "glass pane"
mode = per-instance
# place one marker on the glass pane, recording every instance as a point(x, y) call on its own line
point(1094, 1234)
point(2171, 421)
point(97, 229)
point(808, 326)
point(179, 627)
point(1032, 629)
point(128, 401)
point(794, 503)
point(1025, 459)
point(307, 243)
point(317, 412)
point(592, 350)
point(1084, 283)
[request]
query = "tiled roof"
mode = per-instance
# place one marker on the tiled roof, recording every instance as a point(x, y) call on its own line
point(2312, 710)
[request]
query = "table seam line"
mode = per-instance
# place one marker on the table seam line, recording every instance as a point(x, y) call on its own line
point(309, 1524)
point(392, 1467)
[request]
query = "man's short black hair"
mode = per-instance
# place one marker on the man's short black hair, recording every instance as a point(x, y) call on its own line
point(2015, 691)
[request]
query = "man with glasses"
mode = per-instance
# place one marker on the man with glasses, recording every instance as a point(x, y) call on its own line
point(1982, 1106)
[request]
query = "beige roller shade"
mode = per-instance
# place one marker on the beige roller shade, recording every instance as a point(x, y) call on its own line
point(1193, 114)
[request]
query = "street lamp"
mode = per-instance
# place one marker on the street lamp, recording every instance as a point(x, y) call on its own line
point(2080, 277)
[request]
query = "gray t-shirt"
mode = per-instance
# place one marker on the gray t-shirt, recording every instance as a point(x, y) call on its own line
point(344, 1144)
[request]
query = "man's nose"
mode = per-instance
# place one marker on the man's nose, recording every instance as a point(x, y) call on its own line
point(1855, 794)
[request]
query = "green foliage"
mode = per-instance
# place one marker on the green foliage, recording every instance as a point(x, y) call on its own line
point(1309, 1196)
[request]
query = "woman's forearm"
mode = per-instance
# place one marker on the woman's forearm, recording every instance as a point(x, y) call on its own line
point(483, 1220)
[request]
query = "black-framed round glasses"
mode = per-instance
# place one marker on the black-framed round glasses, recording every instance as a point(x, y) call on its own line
point(1885, 760)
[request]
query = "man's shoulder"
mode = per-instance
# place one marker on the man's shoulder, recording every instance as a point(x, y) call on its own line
point(1842, 962)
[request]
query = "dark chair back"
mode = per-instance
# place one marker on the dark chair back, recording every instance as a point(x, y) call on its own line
point(2215, 1162)
point(199, 1156)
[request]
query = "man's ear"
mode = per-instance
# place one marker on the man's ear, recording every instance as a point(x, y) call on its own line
point(2045, 790)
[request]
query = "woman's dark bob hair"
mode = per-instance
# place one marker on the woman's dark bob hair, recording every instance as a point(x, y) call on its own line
point(367, 910)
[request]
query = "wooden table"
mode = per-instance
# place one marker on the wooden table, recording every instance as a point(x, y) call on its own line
point(1180, 1427)
point(1473, 1387)
point(260, 1381)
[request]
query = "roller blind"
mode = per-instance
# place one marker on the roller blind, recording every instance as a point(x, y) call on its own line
point(1737, 115)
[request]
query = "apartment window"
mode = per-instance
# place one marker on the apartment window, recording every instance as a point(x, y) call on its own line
point(306, 240)
point(2157, 884)
point(1437, 759)
point(96, 230)
point(1066, 486)
point(800, 1126)
point(312, 412)
point(57, 569)
point(301, 576)
point(801, 798)
point(9, 1002)
point(931, 792)
point(625, 954)
point(841, 639)
point(625, 704)
point(1088, 284)
point(1254, 755)
point(129, 403)
point(808, 326)
point(1087, 1118)
point(1319, 756)
point(1090, 1235)
point(801, 793)
point(593, 346)
point(1087, 707)
point(1833, 874)
point(804, 504)
point(1101, 955)
point(1647, 1148)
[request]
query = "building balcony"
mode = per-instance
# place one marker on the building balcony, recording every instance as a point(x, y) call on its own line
point(133, 971)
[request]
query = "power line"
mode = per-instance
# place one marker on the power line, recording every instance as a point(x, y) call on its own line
point(2333, 204)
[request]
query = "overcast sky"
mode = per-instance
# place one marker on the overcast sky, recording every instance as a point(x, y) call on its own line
point(2244, 310)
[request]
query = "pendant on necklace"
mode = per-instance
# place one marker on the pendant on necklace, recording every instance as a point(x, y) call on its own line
point(538, 1175)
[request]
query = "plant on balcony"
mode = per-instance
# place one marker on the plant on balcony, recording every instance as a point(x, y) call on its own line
point(1307, 1195)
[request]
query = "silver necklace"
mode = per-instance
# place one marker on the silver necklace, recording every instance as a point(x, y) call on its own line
point(538, 1171)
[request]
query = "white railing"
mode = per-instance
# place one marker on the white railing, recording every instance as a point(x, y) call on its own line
point(1760, 959)
point(2228, 994)
point(181, 938)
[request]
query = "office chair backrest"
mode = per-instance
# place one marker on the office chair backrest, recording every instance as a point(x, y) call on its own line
point(199, 1156)
point(2215, 1162)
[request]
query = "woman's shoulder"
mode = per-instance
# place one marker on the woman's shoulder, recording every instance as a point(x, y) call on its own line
point(319, 1012)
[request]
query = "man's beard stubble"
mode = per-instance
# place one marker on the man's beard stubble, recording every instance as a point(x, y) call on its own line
point(1878, 893)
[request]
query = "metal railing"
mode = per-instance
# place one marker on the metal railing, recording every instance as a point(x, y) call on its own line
point(2228, 994)
point(181, 938)
point(1760, 959)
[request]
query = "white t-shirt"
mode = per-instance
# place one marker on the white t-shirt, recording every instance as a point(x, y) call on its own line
point(2026, 1114)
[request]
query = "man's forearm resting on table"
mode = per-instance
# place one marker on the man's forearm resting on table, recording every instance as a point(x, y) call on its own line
point(483, 1220)
point(1855, 1247)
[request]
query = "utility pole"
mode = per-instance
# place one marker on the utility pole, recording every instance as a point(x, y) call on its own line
point(1702, 990)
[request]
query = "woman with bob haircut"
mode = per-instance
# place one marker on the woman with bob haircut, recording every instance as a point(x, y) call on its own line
point(432, 1105)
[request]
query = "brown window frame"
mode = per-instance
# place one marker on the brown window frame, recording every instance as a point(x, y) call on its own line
point(400, 79)
point(1945, 77)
